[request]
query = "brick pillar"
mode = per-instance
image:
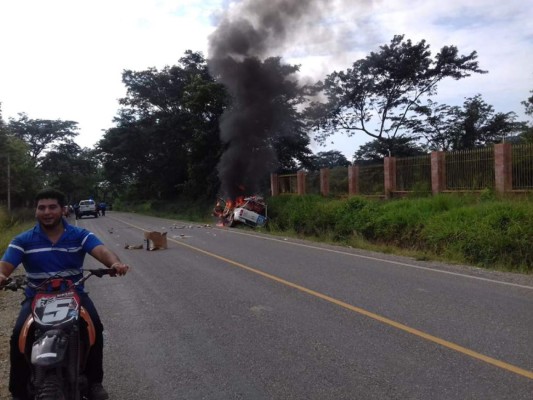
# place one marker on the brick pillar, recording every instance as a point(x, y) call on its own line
point(503, 167)
point(353, 180)
point(300, 181)
point(389, 165)
point(274, 184)
point(324, 181)
point(438, 172)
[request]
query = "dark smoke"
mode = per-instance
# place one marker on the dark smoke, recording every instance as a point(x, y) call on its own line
point(237, 52)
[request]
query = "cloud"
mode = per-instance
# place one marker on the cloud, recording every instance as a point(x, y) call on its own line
point(63, 58)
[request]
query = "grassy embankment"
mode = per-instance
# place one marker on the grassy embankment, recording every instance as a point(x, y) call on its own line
point(481, 230)
point(13, 224)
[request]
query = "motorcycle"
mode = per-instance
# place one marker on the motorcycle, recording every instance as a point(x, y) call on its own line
point(57, 337)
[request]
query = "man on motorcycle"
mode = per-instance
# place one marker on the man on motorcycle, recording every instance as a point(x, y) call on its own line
point(53, 247)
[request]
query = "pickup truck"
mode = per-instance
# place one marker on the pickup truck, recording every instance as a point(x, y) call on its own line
point(87, 207)
point(252, 213)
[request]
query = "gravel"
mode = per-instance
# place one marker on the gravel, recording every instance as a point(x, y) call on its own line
point(9, 309)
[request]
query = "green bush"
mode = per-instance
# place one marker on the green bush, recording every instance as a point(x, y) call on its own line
point(488, 234)
point(481, 230)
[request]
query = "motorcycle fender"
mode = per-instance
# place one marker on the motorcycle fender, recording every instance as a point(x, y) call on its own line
point(29, 322)
point(90, 326)
point(24, 334)
point(49, 349)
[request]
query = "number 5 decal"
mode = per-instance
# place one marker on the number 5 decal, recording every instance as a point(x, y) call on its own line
point(56, 311)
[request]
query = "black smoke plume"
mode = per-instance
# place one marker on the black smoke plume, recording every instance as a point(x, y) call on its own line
point(247, 34)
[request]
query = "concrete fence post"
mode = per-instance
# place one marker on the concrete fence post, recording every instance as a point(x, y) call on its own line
point(353, 180)
point(503, 167)
point(300, 181)
point(274, 184)
point(438, 172)
point(389, 165)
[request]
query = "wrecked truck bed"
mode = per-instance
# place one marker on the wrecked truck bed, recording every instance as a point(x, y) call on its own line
point(251, 211)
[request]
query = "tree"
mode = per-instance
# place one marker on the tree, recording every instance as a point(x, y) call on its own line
point(476, 124)
point(527, 134)
point(528, 104)
point(329, 159)
point(71, 169)
point(166, 140)
point(376, 150)
point(24, 178)
point(41, 134)
point(377, 95)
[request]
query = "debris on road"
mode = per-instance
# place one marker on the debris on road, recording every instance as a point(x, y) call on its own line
point(133, 247)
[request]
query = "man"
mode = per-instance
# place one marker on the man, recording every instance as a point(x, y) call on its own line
point(51, 247)
point(102, 206)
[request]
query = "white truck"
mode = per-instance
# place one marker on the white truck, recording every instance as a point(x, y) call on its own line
point(252, 213)
point(87, 207)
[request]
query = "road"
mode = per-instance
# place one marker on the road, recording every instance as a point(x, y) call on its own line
point(230, 314)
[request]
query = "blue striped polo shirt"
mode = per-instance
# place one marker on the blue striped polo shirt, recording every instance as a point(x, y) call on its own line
point(43, 259)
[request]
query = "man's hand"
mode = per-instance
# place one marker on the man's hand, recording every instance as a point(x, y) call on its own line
point(120, 268)
point(6, 269)
point(3, 280)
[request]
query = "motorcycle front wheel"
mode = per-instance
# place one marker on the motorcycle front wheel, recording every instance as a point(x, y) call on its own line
point(52, 388)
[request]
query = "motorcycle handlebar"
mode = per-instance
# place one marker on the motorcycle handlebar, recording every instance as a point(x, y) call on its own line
point(99, 272)
point(18, 282)
point(13, 283)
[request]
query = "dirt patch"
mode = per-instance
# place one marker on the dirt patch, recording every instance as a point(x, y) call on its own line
point(9, 309)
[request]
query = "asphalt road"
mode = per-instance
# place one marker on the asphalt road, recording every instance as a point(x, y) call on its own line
point(229, 314)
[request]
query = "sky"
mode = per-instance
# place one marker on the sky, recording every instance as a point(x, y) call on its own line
point(63, 59)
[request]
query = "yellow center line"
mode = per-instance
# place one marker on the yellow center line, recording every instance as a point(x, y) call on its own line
point(385, 320)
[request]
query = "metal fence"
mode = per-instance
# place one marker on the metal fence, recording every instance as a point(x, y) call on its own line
point(338, 181)
point(313, 182)
point(522, 166)
point(413, 174)
point(371, 179)
point(466, 170)
point(470, 169)
point(288, 183)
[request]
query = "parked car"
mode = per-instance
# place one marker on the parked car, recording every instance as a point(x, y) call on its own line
point(87, 207)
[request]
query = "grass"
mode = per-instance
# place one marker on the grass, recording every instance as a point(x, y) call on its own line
point(11, 224)
point(484, 230)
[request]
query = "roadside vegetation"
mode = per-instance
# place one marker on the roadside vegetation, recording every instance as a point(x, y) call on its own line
point(11, 224)
point(480, 230)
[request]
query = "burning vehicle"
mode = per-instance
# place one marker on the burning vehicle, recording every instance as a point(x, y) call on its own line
point(251, 211)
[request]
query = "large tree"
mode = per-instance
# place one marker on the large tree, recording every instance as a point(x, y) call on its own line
point(42, 134)
point(70, 169)
point(19, 178)
point(400, 146)
point(329, 159)
point(166, 140)
point(474, 124)
point(377, 95)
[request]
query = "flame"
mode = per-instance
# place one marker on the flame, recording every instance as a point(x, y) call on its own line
point(239, 201)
